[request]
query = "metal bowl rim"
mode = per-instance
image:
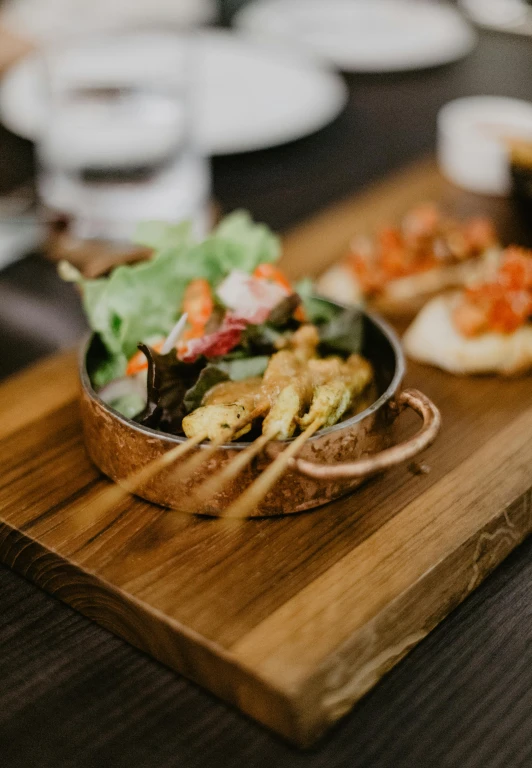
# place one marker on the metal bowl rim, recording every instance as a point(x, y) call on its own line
point(387, 395)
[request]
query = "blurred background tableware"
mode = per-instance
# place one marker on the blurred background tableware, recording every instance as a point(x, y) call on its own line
point(117, 143)
point(42, 21)
point(247, 96)
point(124, 126)
point(500, 15)
point(521, 175)
point(20, 229)
point(474, 137)
point(364, 35)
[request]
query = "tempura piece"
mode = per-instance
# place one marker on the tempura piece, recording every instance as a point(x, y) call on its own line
point(333, 398)
point(218, 422)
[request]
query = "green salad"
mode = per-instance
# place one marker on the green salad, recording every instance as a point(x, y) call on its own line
point(199, 313)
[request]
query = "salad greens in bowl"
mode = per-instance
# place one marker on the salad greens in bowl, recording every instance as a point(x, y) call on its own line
point(196, 314)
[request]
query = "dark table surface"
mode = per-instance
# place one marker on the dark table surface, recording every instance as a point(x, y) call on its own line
point(71, 694)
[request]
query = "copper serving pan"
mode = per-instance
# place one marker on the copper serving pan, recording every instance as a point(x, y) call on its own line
point(333, 462)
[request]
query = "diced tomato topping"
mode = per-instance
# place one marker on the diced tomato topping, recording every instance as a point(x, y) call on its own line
point(469, 319)
point(422, 221)
point(506, 316)
point(425, 240)
point(479, 234)
point(138, 362)
point(390, 239)
point(394, 262)
point(503, 305)
point(370, 277)
point(516, 270)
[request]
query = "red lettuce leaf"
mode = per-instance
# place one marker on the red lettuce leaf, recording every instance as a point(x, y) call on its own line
point(169, 380)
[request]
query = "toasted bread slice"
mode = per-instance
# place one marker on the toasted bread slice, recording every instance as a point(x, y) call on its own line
point(433, 338)
point(405, 296)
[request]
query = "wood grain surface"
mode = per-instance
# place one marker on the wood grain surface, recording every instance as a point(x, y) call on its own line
point(293, 619)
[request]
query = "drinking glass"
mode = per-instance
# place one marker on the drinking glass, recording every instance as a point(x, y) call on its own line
point(118, 145)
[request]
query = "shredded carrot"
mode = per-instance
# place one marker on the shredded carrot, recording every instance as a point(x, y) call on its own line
point(193, 332)
point(198, 302)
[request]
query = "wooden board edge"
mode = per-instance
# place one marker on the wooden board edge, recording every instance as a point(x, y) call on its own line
point(348, 673)
point(175, 646)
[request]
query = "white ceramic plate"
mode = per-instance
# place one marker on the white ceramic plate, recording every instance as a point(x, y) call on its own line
point(501, 15)
point(364, 35)
point(45, 20)
point(249, 97)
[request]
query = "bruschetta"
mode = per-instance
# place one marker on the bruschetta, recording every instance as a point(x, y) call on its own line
point(485, 328)
point(405, 266)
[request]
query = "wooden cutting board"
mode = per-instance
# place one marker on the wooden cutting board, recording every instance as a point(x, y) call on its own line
point(290, 619)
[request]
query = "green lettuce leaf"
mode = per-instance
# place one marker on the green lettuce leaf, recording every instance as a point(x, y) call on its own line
point(160, 235)
point(129, 405)
point(251, 244)
point(238, 369)
point(140, 302)
point(319, 310)
point(343, 334)
point(168, 382)
point(110, 368)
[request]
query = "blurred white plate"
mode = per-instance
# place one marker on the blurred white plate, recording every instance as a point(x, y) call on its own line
point(364, 35)
point(249, 97)
point(502, 15)
point(45, 20)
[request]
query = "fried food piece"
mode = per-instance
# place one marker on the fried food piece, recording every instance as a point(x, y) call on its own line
point(229, 403)
point(288, 386)
point(324, 369)
point(218, 422)
point(246, 391)
point(324, 379)
point(334, 397)
point(225, 406)
point(282, 368)
point(291, 383)
point(281, 421)
point(305, 342)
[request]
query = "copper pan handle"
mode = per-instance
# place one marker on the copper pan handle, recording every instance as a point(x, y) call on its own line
point(390, 457)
